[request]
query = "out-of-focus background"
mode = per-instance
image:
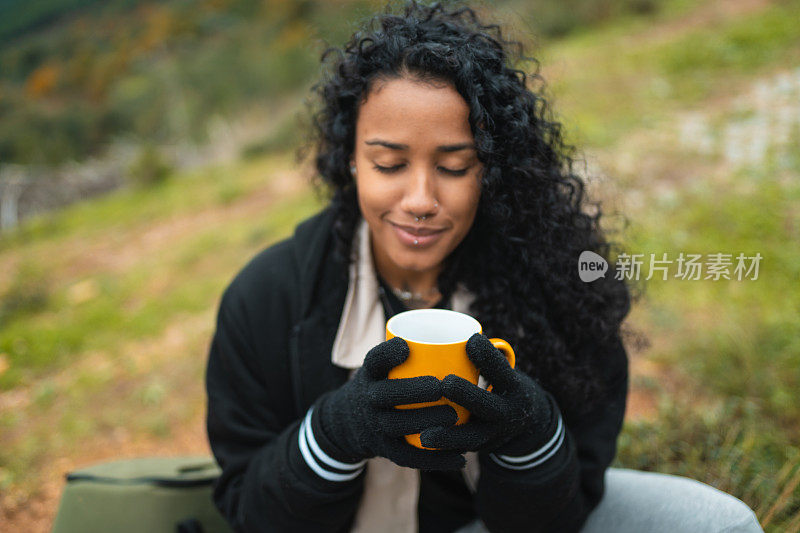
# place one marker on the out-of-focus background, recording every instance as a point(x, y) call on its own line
point(146, 153)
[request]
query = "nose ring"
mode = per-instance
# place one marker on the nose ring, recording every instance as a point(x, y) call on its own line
point(423, 217)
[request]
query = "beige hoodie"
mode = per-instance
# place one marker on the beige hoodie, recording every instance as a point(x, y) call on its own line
point(391, 492)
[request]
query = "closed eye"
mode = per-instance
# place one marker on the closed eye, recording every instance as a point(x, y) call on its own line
point(454, 172)
point(387, 170)
point(395, 168)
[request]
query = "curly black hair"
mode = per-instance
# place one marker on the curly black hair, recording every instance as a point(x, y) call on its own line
point(520, 257)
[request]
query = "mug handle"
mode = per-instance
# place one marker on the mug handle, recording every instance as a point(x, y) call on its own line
point(507, 350)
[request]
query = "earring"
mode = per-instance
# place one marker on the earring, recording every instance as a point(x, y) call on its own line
point(353, 170)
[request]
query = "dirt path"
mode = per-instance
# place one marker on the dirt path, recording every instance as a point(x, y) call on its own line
point(117, 251)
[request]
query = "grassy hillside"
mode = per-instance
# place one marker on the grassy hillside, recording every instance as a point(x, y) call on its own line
point(693, 122)
point(107, 308)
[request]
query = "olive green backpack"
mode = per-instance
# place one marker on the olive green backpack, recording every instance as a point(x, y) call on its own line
point(153, 495)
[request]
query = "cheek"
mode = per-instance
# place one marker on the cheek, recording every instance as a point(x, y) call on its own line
point(373, 198)
point(464, 201)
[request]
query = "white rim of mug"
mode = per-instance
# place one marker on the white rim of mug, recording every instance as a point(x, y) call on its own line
point(448, 312)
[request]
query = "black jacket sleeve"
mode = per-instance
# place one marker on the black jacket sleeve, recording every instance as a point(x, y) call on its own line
point(559, 494)
point(265, 484)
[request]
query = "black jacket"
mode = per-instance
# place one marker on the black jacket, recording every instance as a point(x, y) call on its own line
point(269, 361)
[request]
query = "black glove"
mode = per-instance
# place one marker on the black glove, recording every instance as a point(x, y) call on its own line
point(517, 416)
point(361, 420)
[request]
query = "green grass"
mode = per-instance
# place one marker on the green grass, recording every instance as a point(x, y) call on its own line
point(732, 348)
point(46, 344)
point(694, 63)
point(131, 208)
point(49, 330)
point(729, 446)
point(733, 345)
point(645, 76)
point(750, 325)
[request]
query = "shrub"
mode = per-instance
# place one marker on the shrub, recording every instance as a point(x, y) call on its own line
point(149, 168)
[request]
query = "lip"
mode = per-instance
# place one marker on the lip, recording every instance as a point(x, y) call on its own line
point(417, 236)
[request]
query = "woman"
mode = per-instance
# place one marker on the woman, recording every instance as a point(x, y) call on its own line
point(451, 188)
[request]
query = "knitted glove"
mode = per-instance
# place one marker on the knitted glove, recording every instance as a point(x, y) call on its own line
point(361, 421)
point(517, 416)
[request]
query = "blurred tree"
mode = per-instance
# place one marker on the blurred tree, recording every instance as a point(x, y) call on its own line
point(42, 81)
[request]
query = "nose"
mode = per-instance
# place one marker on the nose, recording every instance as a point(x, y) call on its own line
point(419, 199)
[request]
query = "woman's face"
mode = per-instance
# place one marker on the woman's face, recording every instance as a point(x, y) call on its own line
point(417, 173)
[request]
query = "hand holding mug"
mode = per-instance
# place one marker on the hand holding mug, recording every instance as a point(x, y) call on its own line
point(513, 418)
point(361, 420)
point(437, 343)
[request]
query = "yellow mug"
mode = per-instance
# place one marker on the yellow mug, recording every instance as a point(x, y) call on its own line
point(437, 341)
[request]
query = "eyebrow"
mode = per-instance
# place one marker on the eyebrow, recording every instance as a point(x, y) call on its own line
point(443, 148)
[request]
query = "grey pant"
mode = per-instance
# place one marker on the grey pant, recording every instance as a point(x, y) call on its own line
point(646, 502)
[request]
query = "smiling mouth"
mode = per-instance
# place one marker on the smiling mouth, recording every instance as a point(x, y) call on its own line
point(420, 231)
point(417, 237)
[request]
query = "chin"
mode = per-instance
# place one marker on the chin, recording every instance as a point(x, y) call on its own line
point(417, 262)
